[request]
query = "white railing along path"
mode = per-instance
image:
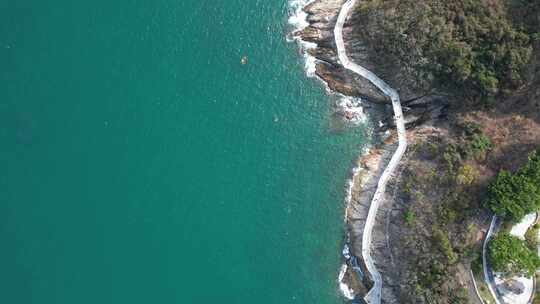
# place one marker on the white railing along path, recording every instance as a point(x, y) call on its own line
point(374, 295)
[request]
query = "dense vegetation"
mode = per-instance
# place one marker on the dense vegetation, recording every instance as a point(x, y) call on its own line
point(511, 256)
point(467, 46)
point(526, 13)
point(512, 196)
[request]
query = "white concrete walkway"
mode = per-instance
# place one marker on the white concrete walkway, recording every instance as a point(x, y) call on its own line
point(374, 295)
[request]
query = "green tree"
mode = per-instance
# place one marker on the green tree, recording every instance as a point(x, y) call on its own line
point(466, 175)
point(532, 169)
point(466, 46)
point(409, 217)
point(441, 240)
point(511, 256)
point(531, 237)
point(512, 196)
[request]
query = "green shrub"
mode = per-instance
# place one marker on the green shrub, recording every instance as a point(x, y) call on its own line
point(480, 144)
point(432, 276)
point(515, 195)
point(446, 214)
point(432, 149)
point(409, 217)
point(511, 256)
point(452, 158)
point(466, 175)
point(476, 264)
point(461, 296)
point(476, 144)
point(441, 240)
point(531, 237)
point(470, 129)
point(531, 170)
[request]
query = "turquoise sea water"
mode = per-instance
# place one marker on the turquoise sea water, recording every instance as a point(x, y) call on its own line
point(142, 163)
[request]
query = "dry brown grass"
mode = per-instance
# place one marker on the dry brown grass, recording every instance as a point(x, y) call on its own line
point(513, 136)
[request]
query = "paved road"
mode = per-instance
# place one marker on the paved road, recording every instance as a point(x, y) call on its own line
point(374, 295)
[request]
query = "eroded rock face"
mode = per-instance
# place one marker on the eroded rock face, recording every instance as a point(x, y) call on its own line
point(347, 83)
point(323, 11)
point(322, 16)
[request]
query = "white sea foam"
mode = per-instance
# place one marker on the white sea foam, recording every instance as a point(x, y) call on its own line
point(298, 19)
point(350, 185)
point(345, 289)
point(355, 172)
point(346, 252)
point(297, 16)
point(352, 109)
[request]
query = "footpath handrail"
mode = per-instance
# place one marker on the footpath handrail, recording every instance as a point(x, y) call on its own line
point(374, 295)
point(476, 288)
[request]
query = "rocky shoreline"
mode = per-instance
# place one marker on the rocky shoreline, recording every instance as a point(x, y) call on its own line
point(363, 185)
point(321, 19)
point(418, 107)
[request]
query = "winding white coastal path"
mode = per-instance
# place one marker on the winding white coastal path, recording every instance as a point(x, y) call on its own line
point(374, 295)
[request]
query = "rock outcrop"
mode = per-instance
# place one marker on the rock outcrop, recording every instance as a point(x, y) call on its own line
point(322, 16)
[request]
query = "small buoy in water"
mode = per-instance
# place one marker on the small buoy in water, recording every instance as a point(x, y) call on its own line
point(244, 60)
